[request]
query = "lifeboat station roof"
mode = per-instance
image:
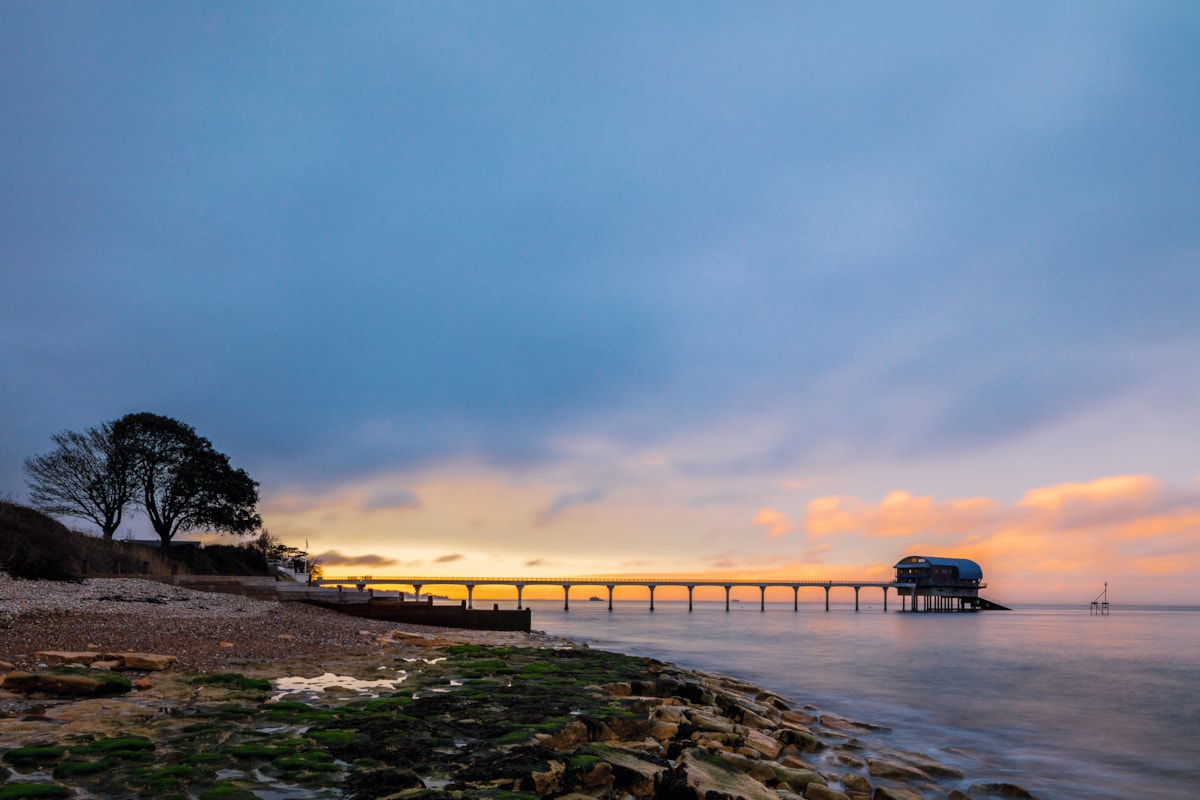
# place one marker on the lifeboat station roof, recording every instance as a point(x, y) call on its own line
point(968, 570)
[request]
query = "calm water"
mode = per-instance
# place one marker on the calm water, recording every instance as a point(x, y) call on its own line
point(1066, 704)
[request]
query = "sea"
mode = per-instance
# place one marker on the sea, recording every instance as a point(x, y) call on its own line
point(1068, 704)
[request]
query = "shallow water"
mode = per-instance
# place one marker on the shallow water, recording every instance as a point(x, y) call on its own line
point(1066, 704)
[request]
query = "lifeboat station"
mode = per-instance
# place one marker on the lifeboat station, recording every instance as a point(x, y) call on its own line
point(933, 583)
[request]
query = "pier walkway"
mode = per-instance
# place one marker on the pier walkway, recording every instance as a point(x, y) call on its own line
point(361, 582)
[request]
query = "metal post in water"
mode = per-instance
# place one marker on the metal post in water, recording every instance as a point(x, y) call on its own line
point(762, 601)
point(690, 588)
point(856, 588)
point(566, 597)
point(727, 588)
point(795, 598)
point(827, 597)
point(520, 586)
point(651, 597)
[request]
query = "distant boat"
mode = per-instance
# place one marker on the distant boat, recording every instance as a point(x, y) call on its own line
point(595, 599)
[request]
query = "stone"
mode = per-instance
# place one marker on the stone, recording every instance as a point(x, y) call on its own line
point(928, 765)
point(792, 762)
point(6, 666)
point(631, 774)
point(105, 665)
point(803, 739)
point(957, 795)
point(707, 777)
point(843, 724)
point(798, 717)
point(856, 783)
point(66, 656)
point(571, 736)
point(1005, 790)
point(622, 689)
point(68, 681)
point(767, 746)
point(709, 722)
point(820, 791)
point(226, 644)
point(798, 779)
point(550, 781)
point(894, 793)
point(885, 768)
point(142, 684)
point(672, 714)
point(664, 731)
point(143, 661)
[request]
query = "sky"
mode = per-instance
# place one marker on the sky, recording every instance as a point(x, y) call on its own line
point(755, 290)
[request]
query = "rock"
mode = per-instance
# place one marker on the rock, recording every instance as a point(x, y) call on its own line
point(142, 661)
point(707, 777)
point(142, 684)
point(622, 689)
point(856, 783)
point(66, 656)
point(709, 722)
point(884, 768)
point(803, 739)
point(843, 724)
point(631, 774)
point(792, 762)
point(1005, 790)
point(106, 665)
point(893, 793)
point(673, 714)
point(664, 731)
point(68, 681)
point(928, 765)
point(957, 795)
point(551, 780)
point(819, 791)
point(574, 734)
point(798, 717)
point(765, 745)
point(6, 666)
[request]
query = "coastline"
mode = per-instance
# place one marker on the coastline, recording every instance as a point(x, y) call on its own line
point(481, 714)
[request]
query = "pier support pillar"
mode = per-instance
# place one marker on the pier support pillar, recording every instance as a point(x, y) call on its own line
point(417, 592)
point(566, 597)
point(762, 600)
point(795, 598)
point(856, 588)
point(470, 596)
point(520, 587)
point(727, 588)
point(690, 588)
point(610, 591)
point(885, 598)
point(652, 598)
point(827, 597)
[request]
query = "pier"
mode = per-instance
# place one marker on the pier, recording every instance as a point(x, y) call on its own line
point(418, 583)
point(922, 583)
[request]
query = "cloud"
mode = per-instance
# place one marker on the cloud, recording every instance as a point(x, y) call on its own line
point(566, 501)
point(1067, 533)
point(776, 523)
point(449, 559)
point(335, 558)
point(381, 499)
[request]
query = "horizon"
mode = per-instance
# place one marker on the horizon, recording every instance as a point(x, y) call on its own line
point(604, 289)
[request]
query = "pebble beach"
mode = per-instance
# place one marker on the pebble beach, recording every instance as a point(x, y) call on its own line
point(256, 696)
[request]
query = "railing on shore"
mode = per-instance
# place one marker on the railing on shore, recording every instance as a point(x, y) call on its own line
point(360, 582)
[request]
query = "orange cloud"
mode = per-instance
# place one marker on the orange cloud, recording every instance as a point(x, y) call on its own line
point(1056, 541)
point(776, 522)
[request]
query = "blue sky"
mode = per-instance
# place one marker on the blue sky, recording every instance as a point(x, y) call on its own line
point(778, 252)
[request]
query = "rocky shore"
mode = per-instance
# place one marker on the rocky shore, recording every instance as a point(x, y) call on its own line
point(264, 700)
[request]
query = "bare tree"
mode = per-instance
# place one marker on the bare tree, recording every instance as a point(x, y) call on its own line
point(87, 476)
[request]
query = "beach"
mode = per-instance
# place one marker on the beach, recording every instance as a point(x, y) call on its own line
point(268, 700)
